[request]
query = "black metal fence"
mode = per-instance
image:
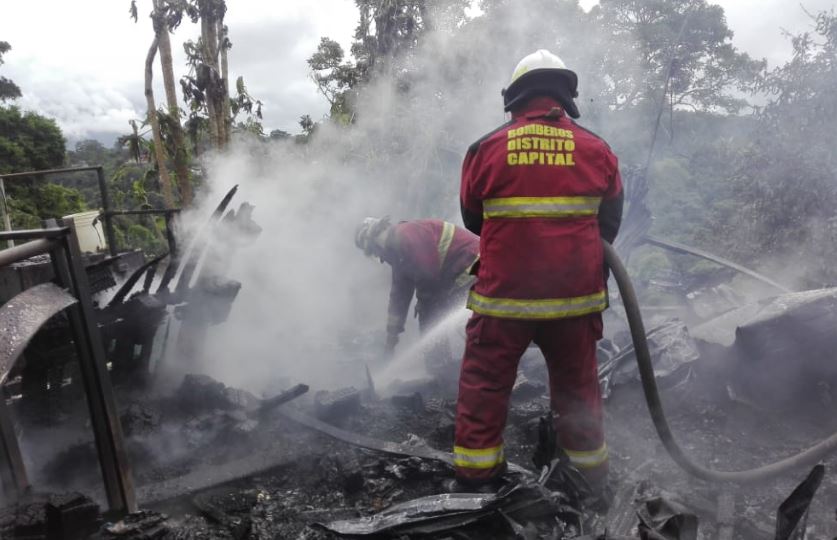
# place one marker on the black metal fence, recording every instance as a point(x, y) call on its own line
point(108, 213)
point(20, 319)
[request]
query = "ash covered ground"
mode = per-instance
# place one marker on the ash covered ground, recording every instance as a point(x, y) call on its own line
point(209, 463)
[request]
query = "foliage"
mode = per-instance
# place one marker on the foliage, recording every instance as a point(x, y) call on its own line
point(133, 142)
point(31, 204)
point(8, 89)
point(29, 141)
point(386, 33)
point(334, 76)
point(132, 186)
point(787, 182)
point(244, 102)
point(688, 41)
point(206, 86)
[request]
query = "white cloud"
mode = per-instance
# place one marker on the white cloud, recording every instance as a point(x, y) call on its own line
point(83, 63)
point(759, 25)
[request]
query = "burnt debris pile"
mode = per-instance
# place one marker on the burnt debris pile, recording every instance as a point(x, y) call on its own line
point(371, 458)
point(223, 463)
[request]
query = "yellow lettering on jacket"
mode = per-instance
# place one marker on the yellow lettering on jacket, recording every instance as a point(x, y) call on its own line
point(540, 144)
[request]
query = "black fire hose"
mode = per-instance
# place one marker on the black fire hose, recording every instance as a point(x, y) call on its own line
point(807, 457)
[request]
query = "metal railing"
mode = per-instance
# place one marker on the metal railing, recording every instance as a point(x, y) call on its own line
point(59, 240)
point(107, 212)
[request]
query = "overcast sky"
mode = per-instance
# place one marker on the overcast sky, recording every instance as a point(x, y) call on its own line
point(82, 62)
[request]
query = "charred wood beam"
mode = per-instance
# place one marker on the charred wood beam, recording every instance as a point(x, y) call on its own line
point(363, 441)
point(191, 256)
point(370, 443)
point(213, 475)
point(133, 279)
point(199, 245)
point(725, 516)
point(149, 277)
point(686, 250)
point(269, 404)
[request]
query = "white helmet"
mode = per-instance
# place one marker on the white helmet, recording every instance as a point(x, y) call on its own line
point(542, 73)
point(367, 233)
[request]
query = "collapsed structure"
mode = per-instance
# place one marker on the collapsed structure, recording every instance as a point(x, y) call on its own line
point(365, 460)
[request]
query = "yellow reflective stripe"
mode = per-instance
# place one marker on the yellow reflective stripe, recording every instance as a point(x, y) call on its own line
point(444, 242)
point(526, 207)
point(553, 308)
point(588, 459)
point(482, 458)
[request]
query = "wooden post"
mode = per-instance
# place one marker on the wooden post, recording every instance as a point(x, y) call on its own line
point(4, 210)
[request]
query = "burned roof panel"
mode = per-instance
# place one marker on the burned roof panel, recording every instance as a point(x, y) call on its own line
point(23, 315)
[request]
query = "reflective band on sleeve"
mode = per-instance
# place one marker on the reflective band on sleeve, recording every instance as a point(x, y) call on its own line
point(553, 308)
point(444, 242)
point(531, 207)
point(483, 458)
point(588, 459)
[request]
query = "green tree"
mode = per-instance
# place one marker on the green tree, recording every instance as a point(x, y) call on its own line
point(640, 37)
point(161, 33)
point(787, 182)
point(30, 142)
point(8, 90)
point(89, 152)
point(206, 87)
point(386, 33)
point(156, 131)
point(334, 77)
point(167, 16)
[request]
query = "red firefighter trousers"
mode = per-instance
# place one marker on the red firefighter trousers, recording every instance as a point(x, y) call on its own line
point(489, 369)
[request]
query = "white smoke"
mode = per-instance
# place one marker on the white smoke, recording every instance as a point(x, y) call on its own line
point(307, 290)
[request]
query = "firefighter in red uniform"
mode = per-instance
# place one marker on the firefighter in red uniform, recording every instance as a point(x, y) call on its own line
point(429, 257)
point(540, 191)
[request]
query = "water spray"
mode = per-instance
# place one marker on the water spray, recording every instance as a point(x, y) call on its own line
point(410, 361)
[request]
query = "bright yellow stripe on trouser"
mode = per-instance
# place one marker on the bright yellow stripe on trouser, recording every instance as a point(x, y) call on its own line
point(483, 458)
point(588, 459)
point(553, 308)
point(444, 242)
point(528, 207)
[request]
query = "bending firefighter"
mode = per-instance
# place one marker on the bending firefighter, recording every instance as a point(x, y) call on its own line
point(540, 190)
point(429, 258)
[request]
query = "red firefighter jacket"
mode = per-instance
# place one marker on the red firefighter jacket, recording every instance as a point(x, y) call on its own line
point(429, 257)
point(540, 190)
